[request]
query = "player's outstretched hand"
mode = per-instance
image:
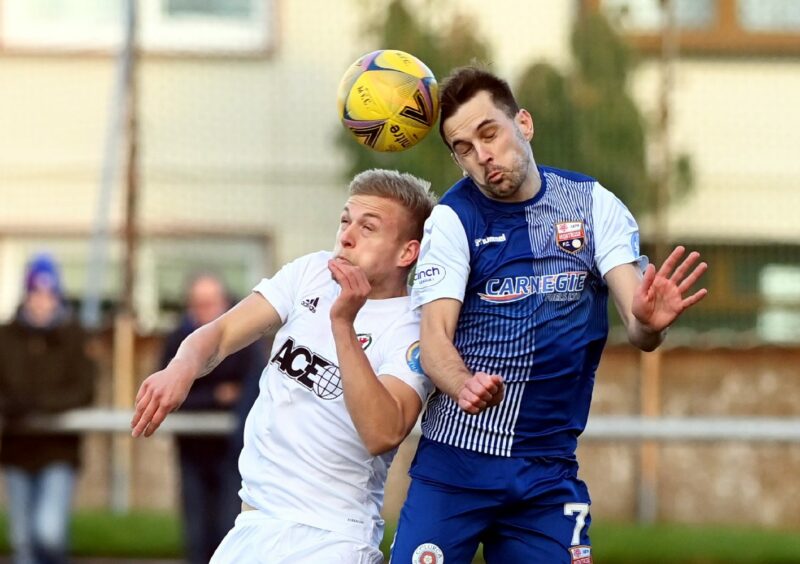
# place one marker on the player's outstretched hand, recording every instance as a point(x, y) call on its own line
point(481, 391)
point(160, 394)
point(659, 300)
point(355, 289)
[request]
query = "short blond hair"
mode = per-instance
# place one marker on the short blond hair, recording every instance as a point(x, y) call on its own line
point(413, 193)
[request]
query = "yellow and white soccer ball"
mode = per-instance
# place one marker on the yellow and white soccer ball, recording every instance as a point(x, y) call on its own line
point(388, 100)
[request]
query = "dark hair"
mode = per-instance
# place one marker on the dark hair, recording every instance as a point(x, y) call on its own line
point(464, 83)
point(413, 193)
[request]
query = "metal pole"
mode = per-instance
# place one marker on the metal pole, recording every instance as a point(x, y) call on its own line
point(651, 363)
point(125, 320)
point(98, 251)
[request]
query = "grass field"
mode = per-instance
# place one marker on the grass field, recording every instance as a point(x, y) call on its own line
point(147, 535)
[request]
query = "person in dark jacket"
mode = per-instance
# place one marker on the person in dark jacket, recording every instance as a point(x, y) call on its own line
point(44, 369)
point(210, 478)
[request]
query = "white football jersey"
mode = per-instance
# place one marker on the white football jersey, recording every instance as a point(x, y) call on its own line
point(303, 460)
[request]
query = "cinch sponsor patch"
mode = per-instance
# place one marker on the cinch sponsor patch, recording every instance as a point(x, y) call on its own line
point(412, 358)
point(428, 275)
point(581, 554)
point(427, 553)
point(570, 236)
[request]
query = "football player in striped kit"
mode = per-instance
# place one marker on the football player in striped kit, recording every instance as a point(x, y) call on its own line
point(516, 265)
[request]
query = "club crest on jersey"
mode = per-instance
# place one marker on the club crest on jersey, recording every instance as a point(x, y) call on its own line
point(412, 358)
point(365, 340)
point(581, 554)
point(312, 371)
point(427, 553)
point(570, 236)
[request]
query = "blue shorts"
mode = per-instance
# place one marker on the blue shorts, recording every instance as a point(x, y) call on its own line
point(526, 510)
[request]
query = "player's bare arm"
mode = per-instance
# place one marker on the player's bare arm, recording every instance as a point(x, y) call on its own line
point(164, 391)
point(648, 304)
point(383, 409)
point(444, 366)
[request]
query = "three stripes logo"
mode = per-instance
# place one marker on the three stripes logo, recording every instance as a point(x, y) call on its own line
point(311, 304)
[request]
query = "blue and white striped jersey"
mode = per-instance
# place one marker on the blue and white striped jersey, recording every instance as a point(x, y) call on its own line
point(534, 306)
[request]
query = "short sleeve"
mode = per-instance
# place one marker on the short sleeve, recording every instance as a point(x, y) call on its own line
point(282, 289)
point(400, 356)
point(443, 266)
point(616, 234)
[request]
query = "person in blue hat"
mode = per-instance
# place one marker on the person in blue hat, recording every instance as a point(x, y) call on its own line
point(44, 369)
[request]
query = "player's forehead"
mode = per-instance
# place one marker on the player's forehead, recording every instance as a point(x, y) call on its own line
point(477, 112)
point(378, 207)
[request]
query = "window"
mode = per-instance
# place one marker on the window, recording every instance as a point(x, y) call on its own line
point(779, 321)
point(645, 15)
point(735, 27)
point(184, 26)
point(770, 15)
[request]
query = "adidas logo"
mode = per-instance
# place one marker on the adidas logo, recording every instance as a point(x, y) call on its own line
point(311, 304)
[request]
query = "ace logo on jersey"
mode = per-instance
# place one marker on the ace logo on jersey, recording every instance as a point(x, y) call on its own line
point(570, 236)
point(307, 368)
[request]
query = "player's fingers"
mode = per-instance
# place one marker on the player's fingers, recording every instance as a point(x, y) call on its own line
point(468, 406)
point(337, 272)
point(684, 267)
point(141, 403)
point(143, 389)
point(693, 277)
point(480, 389)
point(156, 421)
point(488, 384)
point(672, 260)
point(647, 278)
point(149, 410)
point(694, 298)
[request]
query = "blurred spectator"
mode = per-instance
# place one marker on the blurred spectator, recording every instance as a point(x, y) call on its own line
point(44, 369)
point(208, 463)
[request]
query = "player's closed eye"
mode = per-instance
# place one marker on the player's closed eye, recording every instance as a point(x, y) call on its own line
point(463, 150)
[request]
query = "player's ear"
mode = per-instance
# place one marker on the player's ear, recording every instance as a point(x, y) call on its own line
point(524, 121)
point(455, 160)
point(408, 254)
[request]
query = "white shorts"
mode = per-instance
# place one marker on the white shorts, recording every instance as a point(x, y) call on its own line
point(258, 539)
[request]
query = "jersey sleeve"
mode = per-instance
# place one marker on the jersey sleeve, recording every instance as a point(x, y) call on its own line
point(400, 356)
point(616, 233)
point(443, 265)
point(282, 289)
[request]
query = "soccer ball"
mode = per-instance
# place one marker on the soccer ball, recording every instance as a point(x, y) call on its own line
point(388, 100)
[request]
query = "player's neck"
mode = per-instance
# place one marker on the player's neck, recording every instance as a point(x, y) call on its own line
point(388, 289)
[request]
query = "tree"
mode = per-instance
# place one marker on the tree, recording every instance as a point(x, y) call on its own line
point(587, 120)
point(441, 47)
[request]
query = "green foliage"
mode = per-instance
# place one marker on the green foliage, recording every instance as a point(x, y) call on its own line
point(441, 48)
point(587, 121)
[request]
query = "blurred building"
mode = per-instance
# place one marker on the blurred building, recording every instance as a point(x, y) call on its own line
point(240, 167)
point(239, 164)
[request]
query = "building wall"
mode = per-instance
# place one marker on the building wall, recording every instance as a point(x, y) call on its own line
point(249, 143)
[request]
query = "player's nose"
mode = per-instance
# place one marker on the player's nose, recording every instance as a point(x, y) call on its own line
point(483, 153)
point(347, 236)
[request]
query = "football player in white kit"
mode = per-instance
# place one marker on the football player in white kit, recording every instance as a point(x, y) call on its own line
point(343, 386)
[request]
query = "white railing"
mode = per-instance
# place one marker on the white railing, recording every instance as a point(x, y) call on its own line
point(600, 427)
